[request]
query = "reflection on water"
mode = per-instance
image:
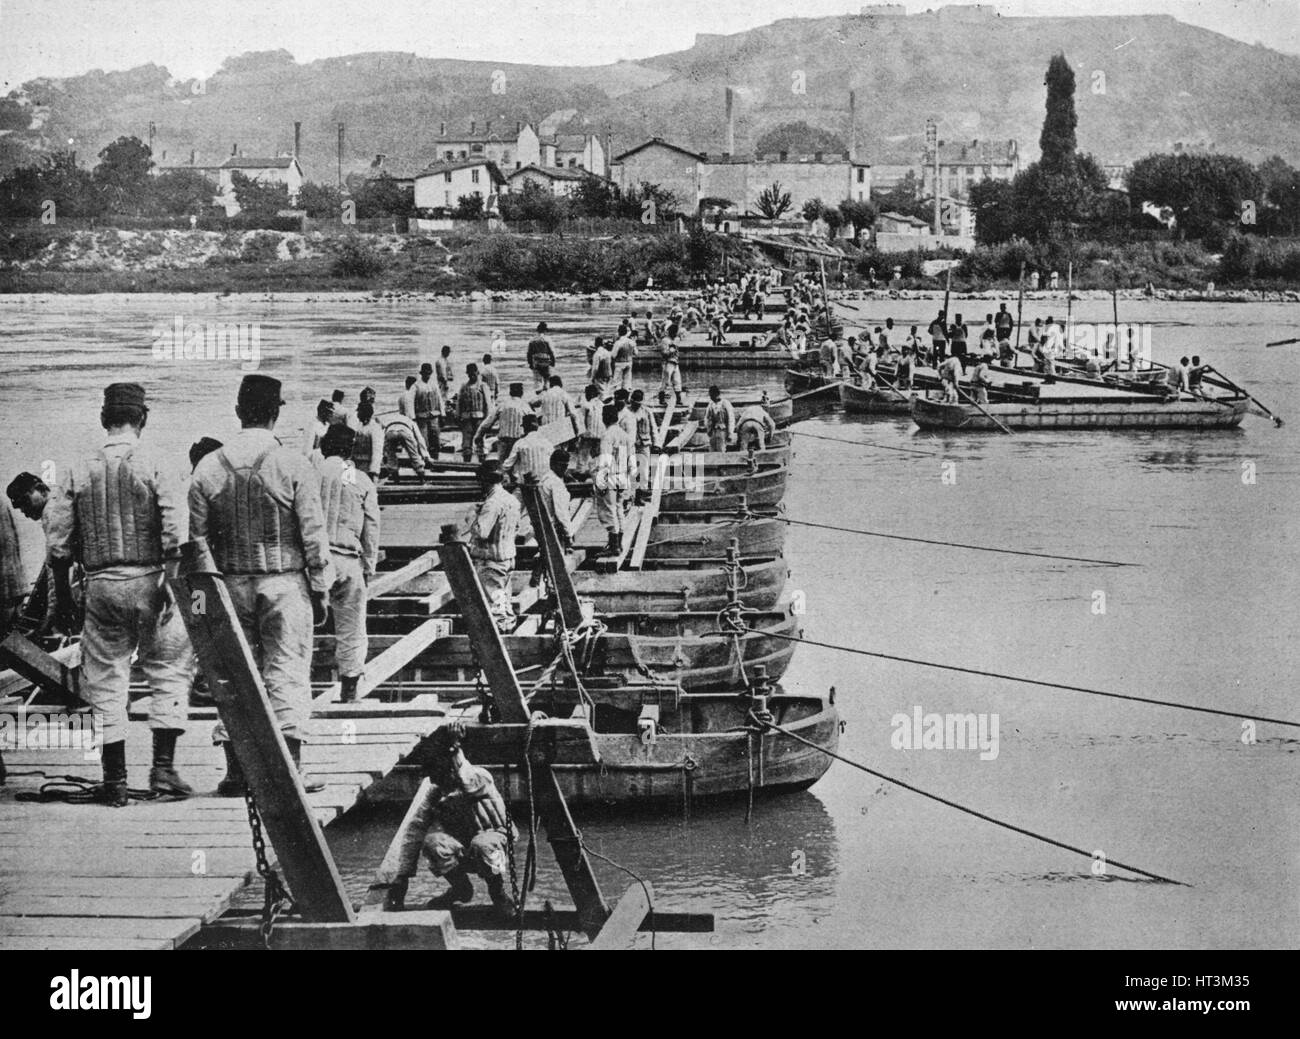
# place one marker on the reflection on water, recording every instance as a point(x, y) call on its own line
point(1205, 618)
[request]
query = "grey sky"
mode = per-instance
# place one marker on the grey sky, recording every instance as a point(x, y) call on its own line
point(193, 37)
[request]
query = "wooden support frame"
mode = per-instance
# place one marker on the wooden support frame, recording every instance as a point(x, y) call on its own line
point(593, 911)
point(233, 679)
point(649, 514)
point(557, 569)
point(33, 665)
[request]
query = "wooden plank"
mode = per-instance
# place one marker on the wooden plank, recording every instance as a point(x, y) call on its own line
point(38, 667)
point(13, 682)
point(53, 905)
point(560, 741)
point(625, 919)
point(631, 528)
point(649, 516)
point(682, 434)
point(486, 918)
point(381, 668)
point(174, 929)
point(227, 661)
point(410, 929)
point(29, 943)
point(198, 888)
point(392, 580)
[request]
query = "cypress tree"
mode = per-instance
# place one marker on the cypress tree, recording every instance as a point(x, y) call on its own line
point(1057, 141)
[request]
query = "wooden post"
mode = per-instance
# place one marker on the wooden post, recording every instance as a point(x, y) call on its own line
point(557, 569)
point(38, 667)
point(560, 829)
point(233, 679)
point(1020, 314)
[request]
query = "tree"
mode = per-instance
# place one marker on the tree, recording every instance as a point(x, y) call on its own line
point(1204, 191)
point(833, 220)
point(860, 215)
point(257, 199)
point(1281, 183)
point(321, 201)
point(535, 204)
point(905, 198)
point(594, 197)
point(123, 174)
point(994, 203)
point(1057, 142)
point(57, 178)
point(773, 202)
point(813, 209)
point(181, 192)
point(383, 196)
point(469, 207)
point(799, 139)
point(633, 205)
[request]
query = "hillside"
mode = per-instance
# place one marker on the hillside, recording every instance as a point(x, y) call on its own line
point(981, 75)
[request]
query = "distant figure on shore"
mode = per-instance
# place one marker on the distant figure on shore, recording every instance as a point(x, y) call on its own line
point(1033, 281)
point(1054, 281)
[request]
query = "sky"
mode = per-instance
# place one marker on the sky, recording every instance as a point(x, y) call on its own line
point(193, 37)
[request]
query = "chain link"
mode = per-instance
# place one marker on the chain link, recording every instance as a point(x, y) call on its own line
point(276, 900)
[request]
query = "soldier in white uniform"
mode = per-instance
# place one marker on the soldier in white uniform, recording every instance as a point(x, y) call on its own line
point(351, 506)
point(119, 514)
point(258, 505)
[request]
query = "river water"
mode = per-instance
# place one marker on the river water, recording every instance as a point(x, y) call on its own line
point(1207, 617)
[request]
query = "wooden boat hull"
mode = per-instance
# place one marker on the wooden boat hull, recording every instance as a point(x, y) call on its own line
point(682, 588)
point(1091, 415)
point(762, 489)
point(699, 441)
point(677, 767)
point(780, 408)
point(858, 400)
point(757, 537)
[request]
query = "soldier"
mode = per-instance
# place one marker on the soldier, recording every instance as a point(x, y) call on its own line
point(614, 475)
point(351, 506)
point(119, 515)
point(29, 494)
point(428, 407)
point(368, 444)
point(461, 826)
point(555, 494)
point(719, 420)
point(642, 440)
point(493, 525)
point(530, 457)
point(258, 505)
point(508, 417)
point(471, 410)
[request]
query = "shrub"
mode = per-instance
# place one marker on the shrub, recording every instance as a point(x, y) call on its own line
point(263, 247)
point(356, 259)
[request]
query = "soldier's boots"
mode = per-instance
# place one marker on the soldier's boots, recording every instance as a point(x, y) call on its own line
point(309, 782)
point(232, 785)
point(349, 689)
point(501, 899)
point(163, 777)
point(459, 889)
point(112, 791)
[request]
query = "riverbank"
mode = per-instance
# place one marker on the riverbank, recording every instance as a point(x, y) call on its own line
point(509, 267)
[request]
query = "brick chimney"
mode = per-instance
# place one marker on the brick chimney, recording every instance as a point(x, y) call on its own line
point(234, 150)
point(194, 157)
point(519, 127)
point(487, 126)
point(442, 129)
point(297, 138)
point(472, 126)
point(729, 145)
point(853, 126)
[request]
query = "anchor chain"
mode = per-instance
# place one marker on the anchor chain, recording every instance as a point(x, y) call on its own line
point(276, 900)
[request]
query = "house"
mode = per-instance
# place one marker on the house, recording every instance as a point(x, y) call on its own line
point(403, 176)
point(441, 185)
point(574, 151)
point(674, 169)
point(962, 165)
point(283, 169)
point(558, 180)
point(509, 148)
point(901, 224)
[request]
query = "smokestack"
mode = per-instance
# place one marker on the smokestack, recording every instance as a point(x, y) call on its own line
point(609, 153)
point(487, 126)
point(194, 157)
point(340, 155)
point(853, 126)
point(234, 149)
point(442, 129)
point(297, 138)
point(519, 127)
point(729, 146)
point(472, 126)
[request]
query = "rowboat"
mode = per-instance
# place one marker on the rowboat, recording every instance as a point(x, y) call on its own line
point(681, 536)
point(1083, 413)
point(699, 441)
point(765, 487)
point(859, 400)
point(683, 584)
point(801, 380)
point(780, 408)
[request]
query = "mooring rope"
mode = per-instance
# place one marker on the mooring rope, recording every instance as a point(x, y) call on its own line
point(963, 808)
point(865, 443)
point(954, 544)
point(1026, 681)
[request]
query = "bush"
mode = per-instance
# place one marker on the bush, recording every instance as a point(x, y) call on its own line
point(263, 247)
point(356, 259)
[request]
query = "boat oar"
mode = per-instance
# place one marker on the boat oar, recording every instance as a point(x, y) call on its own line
point(1233, 386)
point(1283, 342)
point(841, 303)
point(971, 400)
